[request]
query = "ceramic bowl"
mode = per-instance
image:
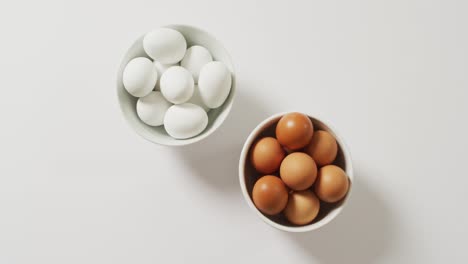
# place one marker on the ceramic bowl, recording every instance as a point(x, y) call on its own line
point(193, 36)
point(248, 176)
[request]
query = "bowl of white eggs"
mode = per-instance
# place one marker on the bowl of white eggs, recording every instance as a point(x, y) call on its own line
point(176, 85)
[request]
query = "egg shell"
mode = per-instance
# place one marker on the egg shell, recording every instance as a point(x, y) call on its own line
point(161, 68)
point(165, 45)
point(266, 155)
point(177, 85)
point(197, 100)
point(332, 184)
point(270, 195)
point(302, 207)
point(152, 108)
point(294, 131)
point(194, 59)
point(185, 120)
point(298, 171)
point(215, 82)
point(139, 76)
point(322, 148)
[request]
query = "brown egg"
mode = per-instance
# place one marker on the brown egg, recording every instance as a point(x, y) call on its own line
point(322, 148)
point(294, 131)
point(302, 207)
point(270, 195)
point(298, 171)
point(332, 184)
point(266, 155)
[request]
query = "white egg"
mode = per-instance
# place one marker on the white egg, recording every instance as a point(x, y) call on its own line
point(152, 108)
point(197, 100)
point(165, 45)
point(139, 77)
point(161, 68)
point(185, 120)
point(195, 58)
point(177, 85)
point(215, 83)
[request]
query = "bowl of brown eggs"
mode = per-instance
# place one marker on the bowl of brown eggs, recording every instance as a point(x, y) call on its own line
point(295, 172)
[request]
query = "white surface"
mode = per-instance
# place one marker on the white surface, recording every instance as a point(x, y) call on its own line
point(77, 185)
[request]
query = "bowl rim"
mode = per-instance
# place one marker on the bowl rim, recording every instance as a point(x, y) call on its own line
point(204, 134)
point(244, 157)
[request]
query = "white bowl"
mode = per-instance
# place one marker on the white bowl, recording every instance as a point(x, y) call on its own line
point(248, 176)
point(216, 117)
